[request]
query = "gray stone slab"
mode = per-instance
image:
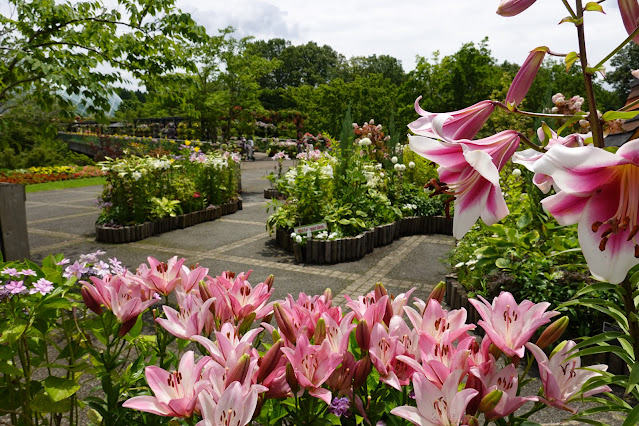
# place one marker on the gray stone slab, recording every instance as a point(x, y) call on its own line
point(79, 225)
point(37, 212)
point(424, 264)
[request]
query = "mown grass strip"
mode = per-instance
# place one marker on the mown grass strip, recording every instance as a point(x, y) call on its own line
point(63, 184)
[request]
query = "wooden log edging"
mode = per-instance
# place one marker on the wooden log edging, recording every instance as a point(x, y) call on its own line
point(456, 297)
point(129, 234)
point(270, 193)
point(320, 252)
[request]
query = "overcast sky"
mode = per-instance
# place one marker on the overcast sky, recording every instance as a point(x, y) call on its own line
point(406, 28)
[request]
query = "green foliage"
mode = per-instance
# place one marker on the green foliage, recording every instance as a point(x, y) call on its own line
point(624, 61)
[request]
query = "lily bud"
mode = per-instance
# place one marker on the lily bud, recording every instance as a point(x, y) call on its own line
point(438, 293)
point(205, 293)
point(494, 351)
point(238, 373)
point(630, 16)
point(276, 335)
point(363, 335)
point(127, 326)
point(320, 332)
point(90, 301)
point(284, 323)
point(552, 333)
point(473, 382)
point(470, 421)
point(342, 377)
point(363, 368)
point(246, 323)
point(291, 379)
point(510, 8)
point(328, 295)
point(269, 281)
point(269, 361)
point(380, 291)
point(525, 77)
point(490, 401)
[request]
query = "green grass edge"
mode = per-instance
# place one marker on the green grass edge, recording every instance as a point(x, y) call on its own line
point(64, 184)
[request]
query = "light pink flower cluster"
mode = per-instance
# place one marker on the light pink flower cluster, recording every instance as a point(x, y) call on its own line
point(281, 155)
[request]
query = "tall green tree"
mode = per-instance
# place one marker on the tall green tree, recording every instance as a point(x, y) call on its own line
point(626, 60)
point(83, 48)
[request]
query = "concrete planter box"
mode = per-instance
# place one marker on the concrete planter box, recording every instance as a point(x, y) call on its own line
point(128, 234)
point(354, 248)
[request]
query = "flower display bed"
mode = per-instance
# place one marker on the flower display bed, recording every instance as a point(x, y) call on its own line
point(355, 248)
point(128, 234)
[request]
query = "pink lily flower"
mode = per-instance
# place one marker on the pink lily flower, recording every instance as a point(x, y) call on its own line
point(437, 407)
point(383, 352)
point(228, 346)
point(337, 335)
point(525, 76)
point(563, 379)
point(194, 316)
point(367, 308)
point(245, 299)
point(161, 277)
point(175, 393)
point(510, 325)
point(600, 192)
point(507, 381)
point(452, 126)
point(313, 365)
point(234, 407)
point(471, 171)
point(529, 157)
point(513, 7)
point(400, 301)
point(435, 321)
point(630, 16)
point(189, 279)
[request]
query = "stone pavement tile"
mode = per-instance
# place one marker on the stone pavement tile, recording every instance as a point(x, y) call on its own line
point(40, 240)
point(77, 223)
point(46, 211)
point(70, 195)
point(265, 249)
point(204, 236)
point(423, 264)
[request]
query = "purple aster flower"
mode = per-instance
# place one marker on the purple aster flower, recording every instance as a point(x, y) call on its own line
point(116, 267)
point(27, 272)
point(101, 269)
point(12, 272)
point(77, 269)
point(42, 286)
point(63, 262)
point(340, 406)
point(15, 287)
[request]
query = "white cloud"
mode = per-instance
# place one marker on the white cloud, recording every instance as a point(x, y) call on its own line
point(406, 28)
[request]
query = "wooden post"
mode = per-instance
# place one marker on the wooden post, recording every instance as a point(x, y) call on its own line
point(14, 239)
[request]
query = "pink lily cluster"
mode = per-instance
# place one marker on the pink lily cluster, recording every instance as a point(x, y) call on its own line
point(596, 189)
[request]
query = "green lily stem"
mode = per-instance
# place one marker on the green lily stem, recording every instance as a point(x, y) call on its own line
point(618, 48)
point(569, 8)
point(631, 314)
point(530, 113)
point(538, 406)
point(595, 124)
point(530, 144)
point(23, 354)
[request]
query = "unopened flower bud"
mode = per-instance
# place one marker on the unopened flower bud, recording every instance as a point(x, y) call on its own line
point(328, 296)
point(291, 379)
point(363, 335)
point(525, 76)
point(127, 326)
point(90, 301)
point(269, 361)
point(490, 401)
point(363, 368)
point(472, 382)
point(630, 16)
point(246, 323)
point(284, 323)
point(552, 333)
point(470, 421)
point(513, 7)
point(411, 164)
point(494, 351)
point(380, 291)
point(438, 293)
point(269, 281)
point(205, 293)
point(320, 332)
point(394, 160)
point(239, 371)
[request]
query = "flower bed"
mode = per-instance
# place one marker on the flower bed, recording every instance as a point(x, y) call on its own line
point(128, 234)
point(167, 192)
point(318, 251)
point(49, 174)
point(271, 362)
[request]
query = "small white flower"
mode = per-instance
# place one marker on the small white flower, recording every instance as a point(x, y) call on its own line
point(298, 239)
point(364, 142)
point(411, 164)
point(293, 235)
point(136, 175)
point(309, 235)
point(378, 166)
point(381, 175)
point(516, 172)
point(397, 167)
point(394, 160)
point(459, 265)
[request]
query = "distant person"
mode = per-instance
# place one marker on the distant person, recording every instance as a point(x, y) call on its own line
point(250, 147)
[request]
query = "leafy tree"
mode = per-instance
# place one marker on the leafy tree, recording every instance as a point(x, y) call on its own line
point(391, 68)
point(83, 48)
point(626, 60)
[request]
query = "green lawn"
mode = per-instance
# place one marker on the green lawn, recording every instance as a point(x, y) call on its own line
point(62, 184)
